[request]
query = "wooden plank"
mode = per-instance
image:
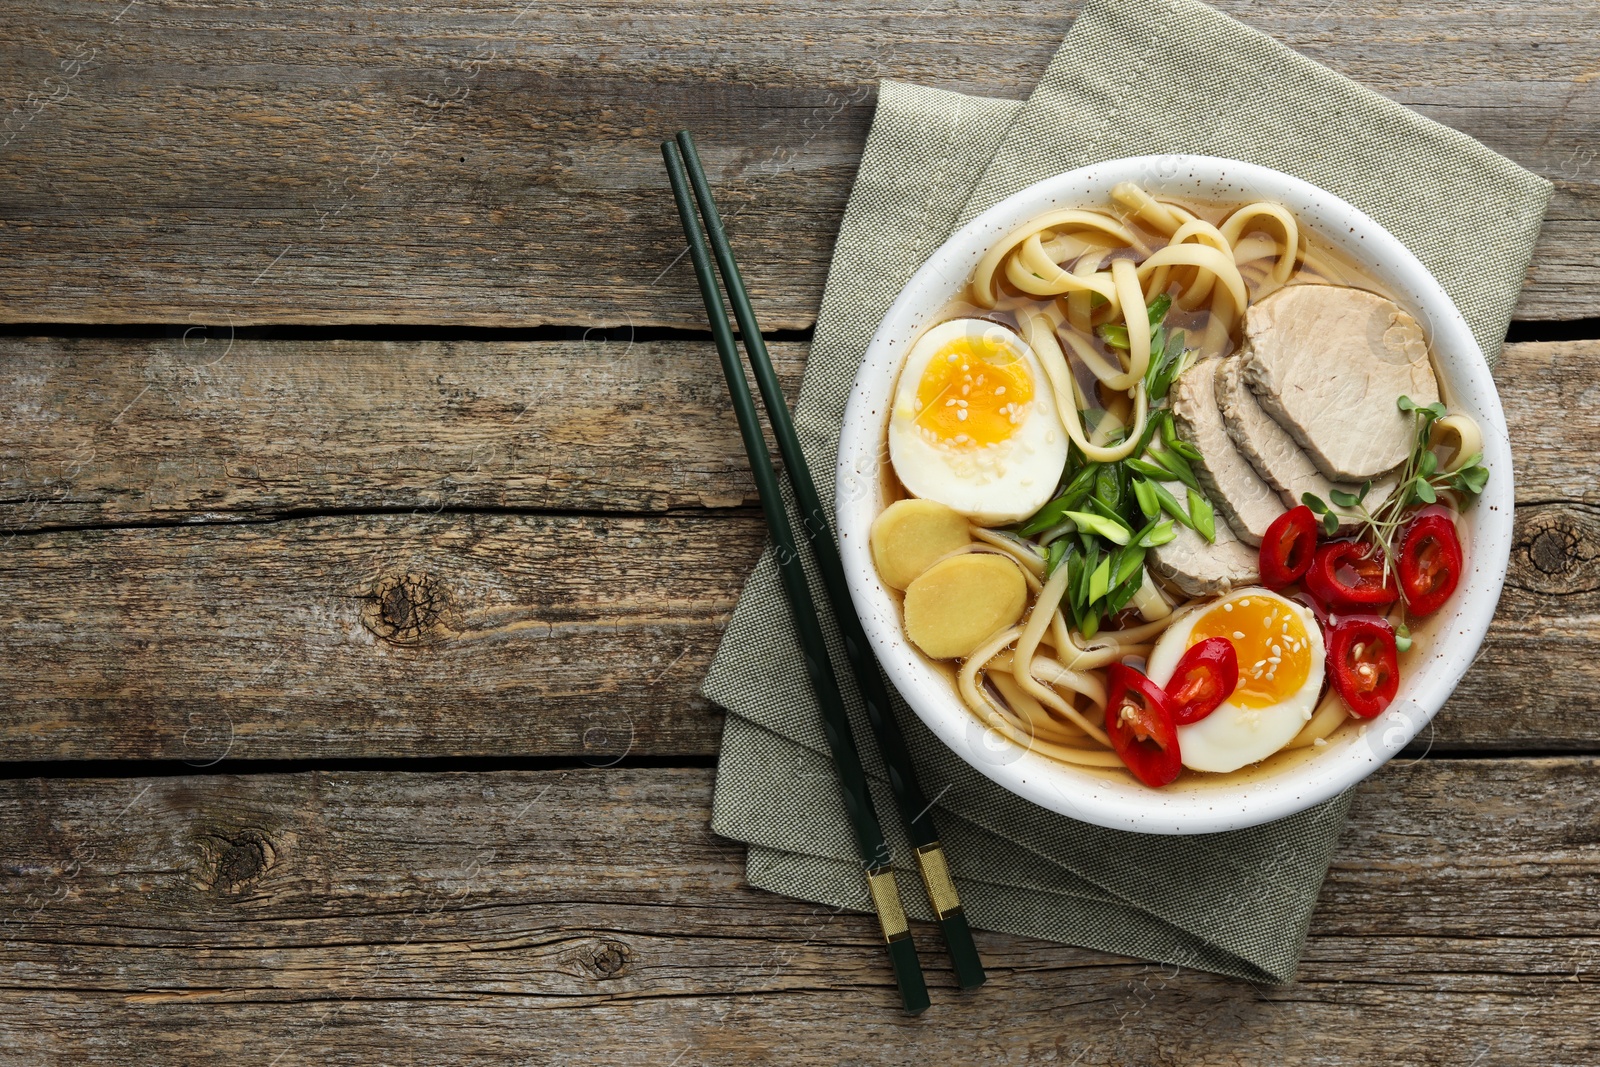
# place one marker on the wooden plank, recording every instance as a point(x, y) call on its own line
point(452, 163)
point(114, 432)
point(106, 432)
point(402, 635)
point(512, 917)
point(1552, 403)
point(548, 635)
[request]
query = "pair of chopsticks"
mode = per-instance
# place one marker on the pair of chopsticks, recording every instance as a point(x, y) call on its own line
point(915, 809)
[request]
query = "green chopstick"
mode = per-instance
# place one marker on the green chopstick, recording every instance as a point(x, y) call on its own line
point(870, 841)
point(916, 812)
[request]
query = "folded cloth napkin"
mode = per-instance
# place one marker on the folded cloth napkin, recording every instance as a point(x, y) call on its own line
point(1134, 77)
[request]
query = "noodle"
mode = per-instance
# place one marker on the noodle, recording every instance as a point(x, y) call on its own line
point(1233, 228)
point(1012, 546)
point(1064, 247)
point(1204, 233)
point(1079, 307)
point(1329, 716)
point(1126, 277)
point(997, 720)
point(1032, 271)
point(1151, 604)
point(1041, 337)
point(1047, 257)
point(1098, 365)
point(1219, 264)
point(1028, 714)
point(1162, 217)
point(1082, 682)
point(1468, 439)
point(1028, 641)
point(983, 290)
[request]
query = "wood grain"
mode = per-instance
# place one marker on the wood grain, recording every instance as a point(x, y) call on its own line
point(455, 163)
point(550, 917)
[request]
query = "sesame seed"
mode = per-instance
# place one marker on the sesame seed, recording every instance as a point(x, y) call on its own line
point(1276, 651)
point(1227, 607)
point(1000, 391)
point(961, 414)
point(1245, 602)
point(1259, 664)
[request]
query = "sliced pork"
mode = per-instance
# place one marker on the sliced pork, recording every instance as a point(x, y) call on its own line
point(1240, 495)
point(1200, 568)
point(1328, 363)
point(1273, 454)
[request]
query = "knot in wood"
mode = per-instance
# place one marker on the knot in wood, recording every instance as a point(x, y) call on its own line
point(610, 959)
point(1558, 550)
point(239, 859)
point(601, 958)
point(406, 609)
point(1553, 550)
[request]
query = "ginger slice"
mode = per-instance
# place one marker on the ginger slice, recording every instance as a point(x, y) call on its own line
point(912, 535)
point(955, 605)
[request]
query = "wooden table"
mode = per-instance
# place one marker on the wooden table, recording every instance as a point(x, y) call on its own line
point(373, 510)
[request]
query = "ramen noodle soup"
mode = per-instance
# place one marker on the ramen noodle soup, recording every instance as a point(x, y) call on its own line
point(1173, 489)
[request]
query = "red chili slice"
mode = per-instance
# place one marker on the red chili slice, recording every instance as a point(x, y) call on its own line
point(1139, 722)
point(1350, 576)
point(1430, 561)
point(1288, 547)
point(1205, 677)
point(1363, 663)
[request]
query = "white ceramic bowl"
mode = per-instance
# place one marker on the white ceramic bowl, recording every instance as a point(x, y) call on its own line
point(1196, 803)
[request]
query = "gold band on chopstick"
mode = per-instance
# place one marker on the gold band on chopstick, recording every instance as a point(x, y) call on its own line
point(886, 902)
point(936, 880)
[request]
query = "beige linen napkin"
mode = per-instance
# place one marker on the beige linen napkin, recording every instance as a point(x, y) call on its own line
point(1134, 77)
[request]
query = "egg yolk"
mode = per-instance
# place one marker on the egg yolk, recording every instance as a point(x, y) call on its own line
point(1274, 651)
point(974, 392)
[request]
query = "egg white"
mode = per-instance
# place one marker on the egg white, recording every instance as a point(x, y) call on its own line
point(1235, 736)
point(1003, 482)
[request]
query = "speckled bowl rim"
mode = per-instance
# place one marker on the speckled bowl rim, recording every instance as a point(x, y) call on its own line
point(1194, 805)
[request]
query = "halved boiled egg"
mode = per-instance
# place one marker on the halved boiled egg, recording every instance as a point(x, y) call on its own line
point(974, 424)
point(1280, 651)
